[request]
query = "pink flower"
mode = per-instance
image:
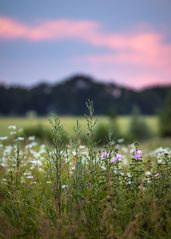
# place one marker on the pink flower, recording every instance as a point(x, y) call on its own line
point(116, 158)
point(157, 175)
point(104, 155)
point(132, 150)
point(138, 154)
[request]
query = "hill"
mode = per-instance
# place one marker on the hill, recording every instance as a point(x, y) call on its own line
point(69, 96)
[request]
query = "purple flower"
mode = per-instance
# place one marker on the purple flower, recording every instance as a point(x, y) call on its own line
point(138, 154)
point(116, 158)
point(132, 150)
point(157, 175)
point(104, 155)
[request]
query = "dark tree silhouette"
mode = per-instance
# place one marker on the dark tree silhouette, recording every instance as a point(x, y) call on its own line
point(68, 98)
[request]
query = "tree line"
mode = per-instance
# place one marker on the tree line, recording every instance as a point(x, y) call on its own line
point(69, 96)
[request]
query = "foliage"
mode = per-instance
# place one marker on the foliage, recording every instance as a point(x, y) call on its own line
point(39, 131)
point(68, 123)
point(138, 129)
point(165, 118)
point(43, 133)
point(67, 98)
point(105, 130)
point(76, 191)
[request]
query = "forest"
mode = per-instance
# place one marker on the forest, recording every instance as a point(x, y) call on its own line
point(69, 96)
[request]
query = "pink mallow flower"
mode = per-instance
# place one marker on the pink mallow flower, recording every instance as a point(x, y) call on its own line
point(116, 158)
point(157, 175)
point(133, 150)
point(138, 154)
point(104, 155)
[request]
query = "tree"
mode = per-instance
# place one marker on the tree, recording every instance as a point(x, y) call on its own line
point(165, 118)
point(138, 128)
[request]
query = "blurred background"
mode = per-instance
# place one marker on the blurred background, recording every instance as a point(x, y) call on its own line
point(55, 55)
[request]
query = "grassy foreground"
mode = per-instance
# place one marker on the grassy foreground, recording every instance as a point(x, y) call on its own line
point(69, 123)
point(83, 192)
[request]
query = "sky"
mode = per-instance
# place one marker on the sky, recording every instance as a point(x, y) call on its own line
point(127, 41)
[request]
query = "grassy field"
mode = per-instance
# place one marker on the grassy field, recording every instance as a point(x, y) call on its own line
point(81, 191)
point(69, 123)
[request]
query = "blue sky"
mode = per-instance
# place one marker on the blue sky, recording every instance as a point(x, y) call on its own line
point(128, 42)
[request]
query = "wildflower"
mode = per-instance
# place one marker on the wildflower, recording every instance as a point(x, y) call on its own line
point(133, 150)
point(160, 152)
point(159, 161)
point(157, 175)
point(29, 176)
point(12, 127)
point(104, 155)
point(138, 154)
point(147, 173)
point(31, 138)
point(33, 144)
point(28, 146)
point(116, 158)
point(36, 163)
point(64, 186)
point(3, 138)
point(20, 139)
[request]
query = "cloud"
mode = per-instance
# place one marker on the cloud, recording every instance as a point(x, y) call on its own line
point(136, 58)
point(47, 30)
point(139, 57)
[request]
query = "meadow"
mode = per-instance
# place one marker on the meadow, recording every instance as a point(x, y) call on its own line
point(69, 122)
point(76, 191)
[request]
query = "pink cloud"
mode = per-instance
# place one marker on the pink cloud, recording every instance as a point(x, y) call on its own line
point(48, 30)
point(131, 70)
point(140, 56)
point(136, 58)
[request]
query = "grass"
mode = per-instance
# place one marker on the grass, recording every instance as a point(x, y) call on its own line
point(76, 192)
point(69, 123)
